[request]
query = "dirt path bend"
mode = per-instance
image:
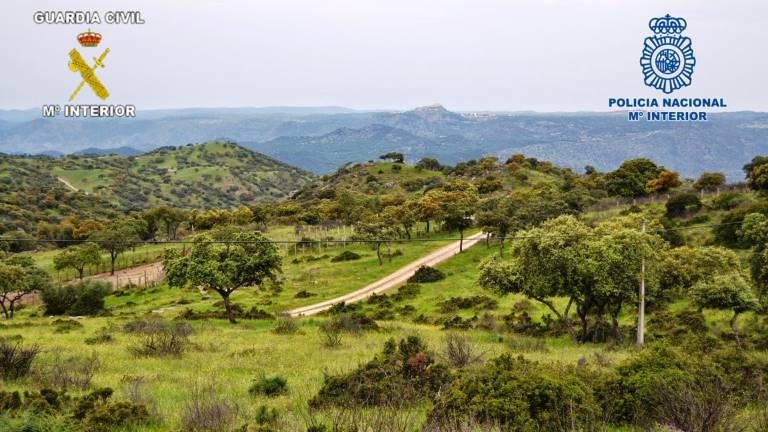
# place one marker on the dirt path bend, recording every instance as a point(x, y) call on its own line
point(68, 184)
point(390, 281)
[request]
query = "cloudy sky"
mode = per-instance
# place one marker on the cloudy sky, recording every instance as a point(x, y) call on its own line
point(543, 55)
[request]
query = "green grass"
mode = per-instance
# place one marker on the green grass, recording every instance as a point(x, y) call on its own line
point(231, 356)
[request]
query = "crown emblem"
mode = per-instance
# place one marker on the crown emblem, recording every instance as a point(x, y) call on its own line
point(667, 25)
point(89, 38)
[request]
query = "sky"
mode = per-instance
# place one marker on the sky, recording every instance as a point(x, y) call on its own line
point(496, 55)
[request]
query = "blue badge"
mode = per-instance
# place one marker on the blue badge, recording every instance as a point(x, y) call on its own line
point(667, 59)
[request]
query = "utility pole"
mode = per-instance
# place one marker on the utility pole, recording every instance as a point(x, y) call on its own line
point(641, 306)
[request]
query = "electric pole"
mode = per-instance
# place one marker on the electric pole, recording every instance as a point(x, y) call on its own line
point(641, 306)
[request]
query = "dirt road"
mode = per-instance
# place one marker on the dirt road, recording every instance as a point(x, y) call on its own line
point(390, 281)
point(68, 184)
point(141, 275)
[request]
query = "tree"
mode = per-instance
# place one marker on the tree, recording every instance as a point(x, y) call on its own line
point(395, 157)
point(77, 258)
point(428, 164)
point(757, 173)
point(611, 263)
point(18, 278)
point(118, 237)
point(709, 181)
point(426, 210)
point(497, 216)
point(405, 214)
point(543, 267)
point(754, 229)
point(663, 182)
point(171, 219)
point(457, 202)
point(681, 203)
point(244, 259)
point(630, 178)
point(377, 229)
point(728, 291)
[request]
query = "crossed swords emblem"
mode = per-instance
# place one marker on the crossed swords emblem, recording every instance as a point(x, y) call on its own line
point(77, 64)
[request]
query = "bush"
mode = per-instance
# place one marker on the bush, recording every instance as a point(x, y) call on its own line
point(268, 386)
point(478, 302)
point(425, 274)
point(84, 298)
point(159, 338)
point(728, 201)
point(15, 361)
point(304, 294)
point(331, 335)
point(403, 372)
point(518, 395)
point(206, 411)
point(74, 372)
point(285, 325)
point(459, 351)
point(346, 256)
point(682, 203)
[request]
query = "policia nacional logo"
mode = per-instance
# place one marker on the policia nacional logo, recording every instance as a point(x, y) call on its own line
point(667, 59)
point(88, 39)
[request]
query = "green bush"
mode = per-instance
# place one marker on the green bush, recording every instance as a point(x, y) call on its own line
point(520, 396)
point(84, 298)
point(404, 372)
point(728, 201)
point(682, 203)
point(268, 386)
point(346, 256)
point(426, 274)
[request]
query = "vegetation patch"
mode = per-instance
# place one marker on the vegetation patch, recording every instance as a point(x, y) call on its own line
point(346, 256)
point(403, 371)
point(480, 302)
point(426, 274)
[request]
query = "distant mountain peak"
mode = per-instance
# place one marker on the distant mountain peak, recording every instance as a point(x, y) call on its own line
point(433, 113)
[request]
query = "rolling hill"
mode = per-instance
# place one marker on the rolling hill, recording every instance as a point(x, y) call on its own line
point(216, 174)
point(319, 140)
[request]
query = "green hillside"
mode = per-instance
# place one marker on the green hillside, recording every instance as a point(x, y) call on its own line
point(211, 175)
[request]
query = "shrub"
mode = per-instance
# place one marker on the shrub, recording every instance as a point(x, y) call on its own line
point(304, 294)
point(159, 338)
point(346, 256)
point(15, 360)
point(478, 302)
point(682, 203)
point(206, 411)
point(73, 372)
point(285, 325)
point(459, 351)
point(331, 335)
point(728, 201)
point(519, 395)
point(268, 386)
point(84, 298)
point(354, 322)
point(425, 274)
point(403, 371)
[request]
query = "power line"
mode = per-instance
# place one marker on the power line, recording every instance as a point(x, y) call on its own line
point(313, 241)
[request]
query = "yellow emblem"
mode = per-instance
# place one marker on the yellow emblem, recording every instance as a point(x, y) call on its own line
point(77, 64)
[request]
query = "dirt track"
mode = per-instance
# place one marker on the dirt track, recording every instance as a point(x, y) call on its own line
point(141, 275)
point(390, 281)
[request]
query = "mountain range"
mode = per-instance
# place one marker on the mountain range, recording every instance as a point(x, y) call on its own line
point(320, 139)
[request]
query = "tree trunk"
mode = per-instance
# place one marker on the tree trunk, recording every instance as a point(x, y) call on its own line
point(80, 273)
point(113, 257)
point(615, 330)
point(461, 240)
point(733, 327)
point(487, 240)
point(427, 226)
point(228, 307)
point(501, 246)
point(562, 317)
point(378, 253)
point(2, 305)
point(407, 232)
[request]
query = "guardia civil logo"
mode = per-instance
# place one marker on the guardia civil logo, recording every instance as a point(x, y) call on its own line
point(667, 59)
